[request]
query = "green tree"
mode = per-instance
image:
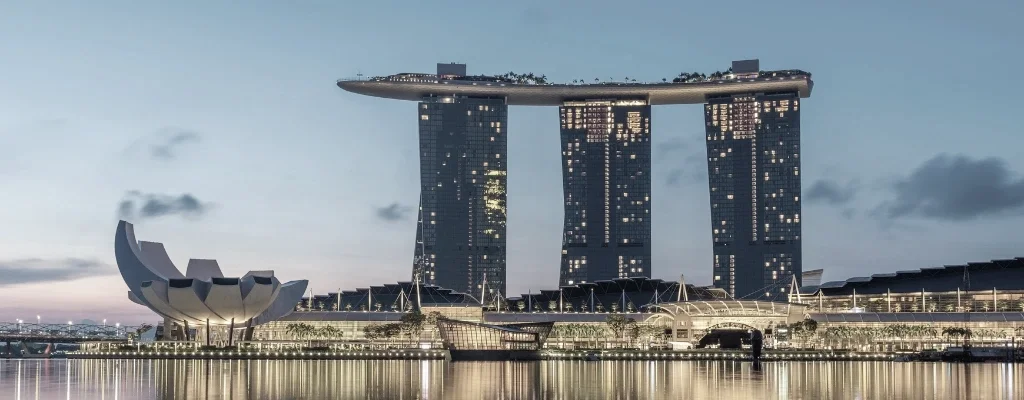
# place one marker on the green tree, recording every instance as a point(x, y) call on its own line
point(390, 331)
point(412, 323)
point(329, 332)
point(633, 331)
point(804, 329)
point(372, 332)
point(617, 324)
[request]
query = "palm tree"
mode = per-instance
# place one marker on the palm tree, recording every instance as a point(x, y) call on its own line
point(521, 305)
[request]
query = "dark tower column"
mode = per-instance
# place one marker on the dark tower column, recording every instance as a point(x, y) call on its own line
point(606, 181)
point(753, 148)
point(460, 233)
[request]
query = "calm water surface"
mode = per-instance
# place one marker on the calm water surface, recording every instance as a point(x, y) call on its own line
point(147, 379)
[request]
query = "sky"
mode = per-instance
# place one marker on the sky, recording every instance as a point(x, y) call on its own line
point(217, 128)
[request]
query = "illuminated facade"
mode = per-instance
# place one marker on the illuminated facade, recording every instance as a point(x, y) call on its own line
point(753, 148)
point(461, 335)
point(460, 235)
point(606, 180)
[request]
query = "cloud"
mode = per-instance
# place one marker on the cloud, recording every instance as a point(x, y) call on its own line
point(684, 165)
point(37, 270)
point(830, 192)
point(168, 142)
point(670, 147)
point(956, 188)
point(393, 212)
point(138, 206)
point(674, 176)
point(691, 169)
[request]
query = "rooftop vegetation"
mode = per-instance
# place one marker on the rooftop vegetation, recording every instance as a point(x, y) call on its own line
point(526, 79)
point(533, 79)
point(696, 77)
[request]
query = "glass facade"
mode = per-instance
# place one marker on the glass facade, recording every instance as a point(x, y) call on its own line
point(460, 235)
point(459, 335)
point(606, 180)
point(979, 287)
point(753, 149)
point(959, 301)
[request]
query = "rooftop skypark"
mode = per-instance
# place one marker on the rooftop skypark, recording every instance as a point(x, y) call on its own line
point(538, 90)
point(534, 79)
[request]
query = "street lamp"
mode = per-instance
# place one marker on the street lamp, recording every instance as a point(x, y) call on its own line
point(37, 319)
point(104, 322)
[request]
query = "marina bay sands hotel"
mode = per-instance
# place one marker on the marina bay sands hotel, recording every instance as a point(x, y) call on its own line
point(752, 131)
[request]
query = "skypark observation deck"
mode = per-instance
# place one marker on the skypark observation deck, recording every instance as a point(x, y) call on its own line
point(417, 86)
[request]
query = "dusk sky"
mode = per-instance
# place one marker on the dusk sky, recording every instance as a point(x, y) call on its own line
point(219, 131)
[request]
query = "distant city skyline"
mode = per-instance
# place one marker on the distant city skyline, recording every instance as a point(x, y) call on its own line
point(217, 129)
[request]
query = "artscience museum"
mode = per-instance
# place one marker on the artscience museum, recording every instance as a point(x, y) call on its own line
point(202, 298)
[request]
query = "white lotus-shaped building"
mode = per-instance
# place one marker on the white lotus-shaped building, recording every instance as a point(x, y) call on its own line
point(202, 296)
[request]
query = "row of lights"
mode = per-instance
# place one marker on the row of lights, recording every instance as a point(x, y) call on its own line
point(419, 354)
point(728, 356)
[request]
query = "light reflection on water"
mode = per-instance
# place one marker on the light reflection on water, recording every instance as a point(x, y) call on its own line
point(179, 379)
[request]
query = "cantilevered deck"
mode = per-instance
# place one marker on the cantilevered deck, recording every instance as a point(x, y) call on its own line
point(555, 94)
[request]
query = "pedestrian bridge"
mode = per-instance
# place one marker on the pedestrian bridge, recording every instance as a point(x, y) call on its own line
point(63, 333)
